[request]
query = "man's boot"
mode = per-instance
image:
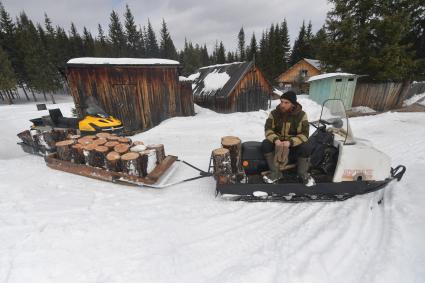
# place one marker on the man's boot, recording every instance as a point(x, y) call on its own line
point(303, 165)
point(275, 173)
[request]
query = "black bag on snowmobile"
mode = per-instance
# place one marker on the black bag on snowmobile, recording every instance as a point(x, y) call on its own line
point(324, 155)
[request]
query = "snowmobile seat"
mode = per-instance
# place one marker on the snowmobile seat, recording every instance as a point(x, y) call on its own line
point(62, 122)
point(253, 160)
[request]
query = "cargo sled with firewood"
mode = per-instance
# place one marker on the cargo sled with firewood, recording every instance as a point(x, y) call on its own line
point(112, 158)
point(340, 165)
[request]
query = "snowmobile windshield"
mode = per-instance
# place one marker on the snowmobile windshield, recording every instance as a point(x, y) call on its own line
point(94, 109)
point(335, 118)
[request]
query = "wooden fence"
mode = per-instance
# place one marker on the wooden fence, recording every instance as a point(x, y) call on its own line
point(380, 96)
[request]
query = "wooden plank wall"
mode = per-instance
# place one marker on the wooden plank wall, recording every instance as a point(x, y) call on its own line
point(380, 96)
point(141, 96)
point(293, 73)
point(186, 98)
point(251, 93)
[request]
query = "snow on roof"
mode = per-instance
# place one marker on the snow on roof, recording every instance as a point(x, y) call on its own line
point(278, 92)
point(184, 79)
point(215, 80)
point(330, 75)
point(193, 77)
point(121, 61)
point(315, 63)
point(220, 65)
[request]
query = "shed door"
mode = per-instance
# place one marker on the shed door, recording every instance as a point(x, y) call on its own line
point(340, 85)
point(124, 103)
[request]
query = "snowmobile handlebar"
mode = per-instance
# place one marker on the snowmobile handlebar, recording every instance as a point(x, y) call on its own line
point(398, 172)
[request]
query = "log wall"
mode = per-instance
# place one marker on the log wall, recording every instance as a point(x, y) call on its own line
point(251, 93)
point(140, 96)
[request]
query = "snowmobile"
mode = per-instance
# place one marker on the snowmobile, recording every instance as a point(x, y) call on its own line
point(95, 121)
point(45, 131)
point(341, 166)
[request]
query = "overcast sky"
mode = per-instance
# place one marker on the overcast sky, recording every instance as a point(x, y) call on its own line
point(201, 21)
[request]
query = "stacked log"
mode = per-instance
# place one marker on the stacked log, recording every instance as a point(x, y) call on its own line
point(131, 164)
point(113, 161)
point(113, 153)
point(148, 160)
point(77, 155)
point(43, 140)
point(160, 152)
point(64, 149)
point(99, 156)
point(234, 145)
point(222, 166)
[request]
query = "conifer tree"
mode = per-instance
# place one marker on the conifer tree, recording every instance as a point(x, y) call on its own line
point(285, 44)
point(205, 60)
point(299, 48)
point(221, 54)
point(241, 45)
point(253, 49)
point(167, 49)
point(88, 43)
point(116, 36)
point(367, 37)
point(131, 33)
point(101, 43)
point(141, 44)
point(152, 49)
point(7, 76)
point(76, 42)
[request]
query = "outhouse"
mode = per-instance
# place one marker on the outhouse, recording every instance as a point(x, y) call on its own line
point(333, 86)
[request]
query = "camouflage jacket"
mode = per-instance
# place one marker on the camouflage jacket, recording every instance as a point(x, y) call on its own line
point(292, 126)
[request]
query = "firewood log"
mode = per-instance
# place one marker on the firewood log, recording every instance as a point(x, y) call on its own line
point(138, 143)
point(160, 151)
point(124, 140)
point(131, 164)
point(100, 141)
point(26, 137)
point(148, 161)
point(88, 151)
point(77, 155)
point(122, 148)
point(222, 166)
point(63, 149)
point(103, 135)
point(99, 156)
point(111, 144)
point(113, 161)
point(112, 137)
point(233, 144)
point(138, 148)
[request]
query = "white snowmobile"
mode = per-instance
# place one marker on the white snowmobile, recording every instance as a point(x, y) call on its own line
point(341, 166)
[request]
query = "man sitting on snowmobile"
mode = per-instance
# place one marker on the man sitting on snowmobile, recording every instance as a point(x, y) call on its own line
point(287, 131)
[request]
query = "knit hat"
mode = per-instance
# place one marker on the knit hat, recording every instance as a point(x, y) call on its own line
point(290, 95)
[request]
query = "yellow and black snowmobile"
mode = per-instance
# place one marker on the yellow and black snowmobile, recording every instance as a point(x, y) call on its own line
point(95, 120)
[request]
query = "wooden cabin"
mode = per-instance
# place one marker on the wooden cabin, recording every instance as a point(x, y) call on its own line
point(233, 87)
point(296, 77)
point(139, 92)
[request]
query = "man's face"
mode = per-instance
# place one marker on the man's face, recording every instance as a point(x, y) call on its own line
point(285, 105)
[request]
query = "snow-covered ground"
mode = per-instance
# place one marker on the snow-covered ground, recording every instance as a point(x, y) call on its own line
point(59, 227)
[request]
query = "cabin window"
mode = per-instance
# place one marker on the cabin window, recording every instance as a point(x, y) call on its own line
point(350, 80)
point(304, 73)
point(338, 80)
